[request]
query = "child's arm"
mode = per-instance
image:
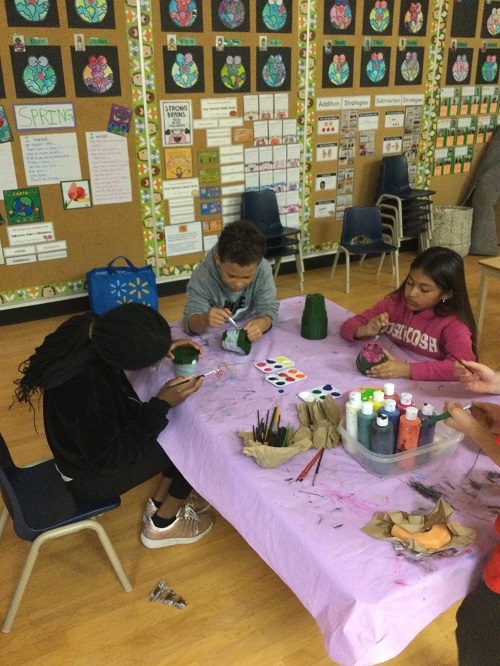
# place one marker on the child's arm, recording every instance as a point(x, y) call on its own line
point(369, 323)
point(464, 422)
point(479, 378)
point(256, 327)
point(214, 318)
point(264, 302)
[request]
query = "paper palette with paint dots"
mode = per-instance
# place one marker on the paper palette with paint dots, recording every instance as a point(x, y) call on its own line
point(320, 393)
point(273, 365)
point(286, 377)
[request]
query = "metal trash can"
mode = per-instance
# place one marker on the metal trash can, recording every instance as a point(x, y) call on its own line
point(452, 227)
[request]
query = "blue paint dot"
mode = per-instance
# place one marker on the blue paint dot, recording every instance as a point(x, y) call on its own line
point(327, 387)
point(281, 391)
point(277, 366)
point(335, 394)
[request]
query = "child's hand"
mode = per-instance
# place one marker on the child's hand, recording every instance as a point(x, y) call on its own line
point(480, 379)
point(176, 391)
point(460, 419)
point(487, 414)
point(375, 326)
point(216, 317)
point(253, 330)
point(390, 369)
point(183, 343)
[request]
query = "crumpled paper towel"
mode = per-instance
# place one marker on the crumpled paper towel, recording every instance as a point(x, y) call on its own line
point(381, 524)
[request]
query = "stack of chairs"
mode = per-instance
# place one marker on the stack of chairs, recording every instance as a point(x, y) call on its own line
point(406, 211)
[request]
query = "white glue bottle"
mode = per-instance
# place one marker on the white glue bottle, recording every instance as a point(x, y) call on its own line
point(352, 407)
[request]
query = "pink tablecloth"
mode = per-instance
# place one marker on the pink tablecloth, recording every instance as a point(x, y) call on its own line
point(368, 602)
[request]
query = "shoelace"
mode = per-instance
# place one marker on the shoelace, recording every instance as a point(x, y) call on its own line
point(190, 513)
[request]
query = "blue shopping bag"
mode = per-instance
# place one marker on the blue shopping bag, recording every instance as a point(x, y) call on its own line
point(111, 286)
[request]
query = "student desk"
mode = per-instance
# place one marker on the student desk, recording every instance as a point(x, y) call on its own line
point(368, 602)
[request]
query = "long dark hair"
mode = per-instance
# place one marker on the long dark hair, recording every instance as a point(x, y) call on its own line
point(129, 337)
point(445, 267)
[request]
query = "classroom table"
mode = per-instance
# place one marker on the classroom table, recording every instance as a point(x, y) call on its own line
point(368, 601)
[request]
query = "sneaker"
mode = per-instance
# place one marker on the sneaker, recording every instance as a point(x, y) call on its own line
point(188, 527)
point(149, 511)
point(199, 504)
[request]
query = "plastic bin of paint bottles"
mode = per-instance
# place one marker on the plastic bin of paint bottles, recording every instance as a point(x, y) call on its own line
point(443, 446)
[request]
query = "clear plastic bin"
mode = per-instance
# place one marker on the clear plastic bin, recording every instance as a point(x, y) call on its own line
point(444, 445)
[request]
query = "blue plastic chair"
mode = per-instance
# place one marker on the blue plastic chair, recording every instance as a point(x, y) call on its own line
point(362, 234)
point(394, 179)
point(42, 508)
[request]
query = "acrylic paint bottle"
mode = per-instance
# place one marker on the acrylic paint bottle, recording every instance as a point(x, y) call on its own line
point(390, 393)
point(393, 414)
point(409, 430)
point(405, 402)
point(382, 436)
point(352, 407)
point(378, 400)
point(365, 419)
point(426, 435)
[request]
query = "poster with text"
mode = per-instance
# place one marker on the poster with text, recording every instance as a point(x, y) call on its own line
point(177, 122)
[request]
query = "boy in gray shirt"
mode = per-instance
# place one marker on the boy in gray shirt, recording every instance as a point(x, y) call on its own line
point(234, 280)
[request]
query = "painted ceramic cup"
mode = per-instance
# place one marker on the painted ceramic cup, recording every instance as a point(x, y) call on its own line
point(314, 325)
point(372, 354)
point(185, 360)
point(236, 341)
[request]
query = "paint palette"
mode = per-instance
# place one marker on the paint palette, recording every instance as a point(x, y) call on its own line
point(274, 365)
point(286, 377)
point(320, 393)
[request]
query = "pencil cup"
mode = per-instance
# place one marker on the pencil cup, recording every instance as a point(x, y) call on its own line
point(236, 341)
point(314, 324)
point(185, 360)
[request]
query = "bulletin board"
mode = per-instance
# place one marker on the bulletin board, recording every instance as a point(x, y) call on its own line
point(71, 154)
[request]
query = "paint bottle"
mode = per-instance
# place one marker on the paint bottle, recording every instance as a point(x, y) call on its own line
point(409, 430)
point(426, 435)
point(352, 407)
point(365, 418)
point(378, 400)
point(390, 393)
point(382, 436)
point(405, 402)
point(393, 414)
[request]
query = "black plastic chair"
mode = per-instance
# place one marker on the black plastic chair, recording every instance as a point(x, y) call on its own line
point(42, 508)
point(394, 179)
point(261, 208)
point(362, 234)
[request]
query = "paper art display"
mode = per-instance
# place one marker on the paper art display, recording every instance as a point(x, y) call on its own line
point(413, 18)
point(231, 69)
point(38, 72)
point(409, 66)
point(177, 120)
point(179, 15)
point(120, 118)
point(23, 205)
point(377, 17)
point(76, 194)
point(274, 15)
point(5, 131)
point(487, 66)
point(274, 69)
point(339, 17)
point(91, 14)
point(96, 71)
point(32, 13)
point(338, 67)
point(375, 67)
point(459, 66)
point(491, 20)
point(230, 15)
point(184, 69)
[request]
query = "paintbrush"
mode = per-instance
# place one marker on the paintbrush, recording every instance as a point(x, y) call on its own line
point(185, 381)
point(317, 466)
point(461, 363)
point(438, 417)
point(308, 467)
point(231, 321)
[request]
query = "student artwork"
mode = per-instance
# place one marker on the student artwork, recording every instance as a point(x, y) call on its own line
point(375, 67)
point(231, 69)
point(184, 69)
point(184, 15)
point(273, 365)
point(96, 71)
point(491, 21)
point(339, 17)
point(459, 66)
point(487, 66)
point(230, 15)
point(286, 377)
point(409, 66)
point(338, 67)
point(120, 118)
point(32, 13)
point(378, 17)
point(274, 15)
point(413, 18)
point(90, 13)
point(76, 194)
point(274, 66)
point(23, 205)
point(319, 393)
point(464, 19)
point(38, 72)
point(5, 131)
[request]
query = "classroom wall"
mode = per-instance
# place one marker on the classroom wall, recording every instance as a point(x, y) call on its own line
point(304, 97)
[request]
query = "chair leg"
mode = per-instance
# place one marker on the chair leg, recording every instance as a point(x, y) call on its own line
point(363, 256)
point(277, 264)
point(347, 271)
point(300, 274)
point(53, 534)
point(3, 519)
point(335, 261)
point(395, 259)
point(382, 257)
